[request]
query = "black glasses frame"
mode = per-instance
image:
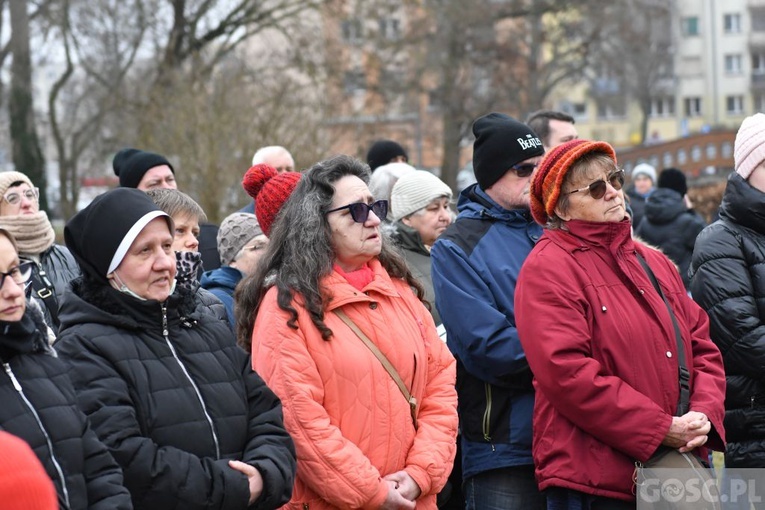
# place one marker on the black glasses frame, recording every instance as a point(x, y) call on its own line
point(524, 169)
point(360, 210)
point(598, 188)
point(23, 273)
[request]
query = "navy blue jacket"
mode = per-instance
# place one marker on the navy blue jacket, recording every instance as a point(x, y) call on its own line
point(221, 283)
point(475, 266)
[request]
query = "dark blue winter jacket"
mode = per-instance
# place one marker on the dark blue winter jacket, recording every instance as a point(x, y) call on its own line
point(221, 283)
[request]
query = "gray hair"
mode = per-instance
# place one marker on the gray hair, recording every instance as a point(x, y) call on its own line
point(300, 252)
point(176, 203)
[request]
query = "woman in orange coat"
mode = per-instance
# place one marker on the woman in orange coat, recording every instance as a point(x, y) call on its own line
point(360, 444)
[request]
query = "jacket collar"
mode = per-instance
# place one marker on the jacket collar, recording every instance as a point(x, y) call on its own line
point(612, 235)
point(743, 204)
point(342, 292)
point(475, 203)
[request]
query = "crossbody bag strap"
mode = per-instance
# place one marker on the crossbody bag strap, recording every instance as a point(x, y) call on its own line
point(384, 361)
point(43, 289)
point(683, 374)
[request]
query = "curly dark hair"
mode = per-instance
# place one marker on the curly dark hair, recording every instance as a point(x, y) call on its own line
point(300, 252)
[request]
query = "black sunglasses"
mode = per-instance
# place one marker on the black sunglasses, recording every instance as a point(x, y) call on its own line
point(360, 210)
point(598, 188)
point(19, 274)
point(524, 170)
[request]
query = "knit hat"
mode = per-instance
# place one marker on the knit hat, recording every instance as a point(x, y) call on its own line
point(644, 169)
point(130, 165)
point(234, 233)
point(8, 178)
point(551, 172)
point(100, 235)
point(501, 142)
point(749, 147)
point(414, 191)
point(674, 179)
point(24, 484)
point(270, 190)
point(382, 152)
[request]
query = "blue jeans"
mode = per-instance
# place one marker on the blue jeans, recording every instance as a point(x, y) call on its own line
point(512, 488)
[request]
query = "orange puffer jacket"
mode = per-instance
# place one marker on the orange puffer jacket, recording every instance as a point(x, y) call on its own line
point(350, 422)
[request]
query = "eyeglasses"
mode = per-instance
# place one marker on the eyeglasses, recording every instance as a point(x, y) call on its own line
point(598, 188)
point(19, 274)
point(525, 169)
point(360, 210)
point(30, 194)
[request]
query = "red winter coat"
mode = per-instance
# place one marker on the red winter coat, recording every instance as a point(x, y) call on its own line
point(602, 348)
point(350, 422)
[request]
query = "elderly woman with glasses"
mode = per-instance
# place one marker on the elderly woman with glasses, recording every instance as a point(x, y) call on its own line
point(339, 331)
point(597, 315)
point(54, 266)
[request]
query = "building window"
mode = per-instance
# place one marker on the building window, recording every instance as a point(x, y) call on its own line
point(734, 105)
point(711, 151)
point(682, 157)
point(662, 107)
point(759, 102)
point(576, 110)
point(354, 82)
point(613, 108)
point(693, 107)
point(758, 20)
point(727, 150)
point(733, 64)
point(690, 26)
point(732, 23)
point(696, 153)
point(666, 160)
point(353, 30)
point(390, 29)
point(758, 63)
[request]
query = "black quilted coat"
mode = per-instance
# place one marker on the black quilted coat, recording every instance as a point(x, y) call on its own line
point(174, 398)
point(39, 406)
point(728, 281)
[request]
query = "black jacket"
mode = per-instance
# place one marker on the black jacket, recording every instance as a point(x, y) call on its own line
point(668, 224)
point(728, 281)
point(637, 203)
point(39, 406)
point(56, 268)
point(174, 398)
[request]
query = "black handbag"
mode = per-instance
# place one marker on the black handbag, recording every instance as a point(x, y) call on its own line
point(670, 479)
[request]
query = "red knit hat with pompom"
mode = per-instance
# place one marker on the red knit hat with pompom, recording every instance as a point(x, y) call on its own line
point(270, 189)
point(548, 179)
point(24, 484)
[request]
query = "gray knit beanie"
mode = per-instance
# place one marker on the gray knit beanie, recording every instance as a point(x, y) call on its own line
point(414, 191)
point(234, 233)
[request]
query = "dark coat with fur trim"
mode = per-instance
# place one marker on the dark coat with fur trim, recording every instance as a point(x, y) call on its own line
point(39, 406)
point(728, 281)
point(174, 398)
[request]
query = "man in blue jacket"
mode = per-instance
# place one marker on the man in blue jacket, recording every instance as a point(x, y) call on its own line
point(475, 266)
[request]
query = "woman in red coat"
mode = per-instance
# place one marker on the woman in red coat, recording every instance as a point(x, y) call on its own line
point(600, 340)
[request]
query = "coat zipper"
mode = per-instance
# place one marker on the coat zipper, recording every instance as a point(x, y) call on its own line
point(20, 391)
point(487, 416)
point(166, 334)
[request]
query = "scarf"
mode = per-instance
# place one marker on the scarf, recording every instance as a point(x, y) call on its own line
point(18, 337)
point(33, 232)
point(187, 265)
point(359, 278)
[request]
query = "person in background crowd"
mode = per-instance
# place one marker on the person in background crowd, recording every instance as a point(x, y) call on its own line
point(475, 264)
point(420, 204)
point(54, 266)
point(385, 177)
point(143, 170)
point(39, 404)
point(241, 244)
point(361, 442)
point(268, 190)
point(383, 152)
point(24, 484)
point(552, 127)
point(595, 331)
point(276, 157)
point(669, 222)
point(164, 384)
point(728, 281)
point(643, 181)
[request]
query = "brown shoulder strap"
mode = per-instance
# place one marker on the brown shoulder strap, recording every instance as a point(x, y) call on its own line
point(384, 361)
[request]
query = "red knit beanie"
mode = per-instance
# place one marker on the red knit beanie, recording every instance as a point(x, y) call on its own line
point(24, 484)
point(270, 189)
point(548, 179)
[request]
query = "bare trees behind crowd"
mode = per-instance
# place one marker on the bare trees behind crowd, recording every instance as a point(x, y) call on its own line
point(207, 82)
